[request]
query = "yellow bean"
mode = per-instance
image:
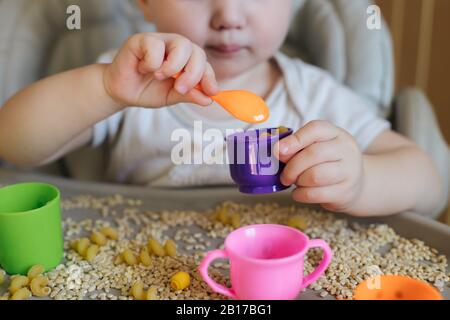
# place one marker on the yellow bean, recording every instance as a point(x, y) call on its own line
point(21, 294)
point(17, 283)
point(39, 287)
point(129, 257)
point(156, 248)
point(98, 238)
point(110, 233)
point(35, 271)
point(82, 246)
point(171, 248)
point(91, 252)
point(2, 276)
point(145, 258)
point(137, 290)
point(180, 281)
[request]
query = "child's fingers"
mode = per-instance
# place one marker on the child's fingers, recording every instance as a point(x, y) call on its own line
point(317, 153)
point(209, 82)
point(324, 174)
point(179, 51)
point(319, 195)
point(153, 50)
point(194, 96)
point(314, 131)
point(193, 71)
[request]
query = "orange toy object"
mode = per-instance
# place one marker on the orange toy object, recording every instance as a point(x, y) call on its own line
point(391, 287)
point(242, 105)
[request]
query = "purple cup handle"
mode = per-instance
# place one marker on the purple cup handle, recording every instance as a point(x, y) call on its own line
point(203, 269)
point(323, 265)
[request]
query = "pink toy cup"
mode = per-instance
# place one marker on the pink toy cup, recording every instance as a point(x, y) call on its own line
point(266, 263)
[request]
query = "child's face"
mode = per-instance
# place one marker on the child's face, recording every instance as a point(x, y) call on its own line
point(237, 35)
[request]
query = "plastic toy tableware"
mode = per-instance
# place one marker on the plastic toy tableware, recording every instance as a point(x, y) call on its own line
point(392, 287)
point(243, 105)
point(253, 167)
point(30, 227)
point(266, 263)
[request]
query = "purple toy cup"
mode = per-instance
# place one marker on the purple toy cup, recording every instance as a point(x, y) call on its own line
point(253, 167)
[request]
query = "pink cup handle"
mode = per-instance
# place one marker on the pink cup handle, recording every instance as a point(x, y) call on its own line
point(327, 256)
point(203, 269)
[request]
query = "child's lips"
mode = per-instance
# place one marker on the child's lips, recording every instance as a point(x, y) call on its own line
point(226, 50)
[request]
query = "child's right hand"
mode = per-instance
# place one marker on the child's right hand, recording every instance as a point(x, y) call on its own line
point(141, 73)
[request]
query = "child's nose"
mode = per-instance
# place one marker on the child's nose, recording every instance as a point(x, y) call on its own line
point(229, 14)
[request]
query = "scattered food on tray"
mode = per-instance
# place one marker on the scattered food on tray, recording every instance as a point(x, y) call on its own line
point(151, 255)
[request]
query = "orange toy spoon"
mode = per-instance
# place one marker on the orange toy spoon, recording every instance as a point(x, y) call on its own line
point(241, 104)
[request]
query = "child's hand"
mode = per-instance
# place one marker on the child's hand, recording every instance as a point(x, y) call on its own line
point(325, 163)
point(141, 73)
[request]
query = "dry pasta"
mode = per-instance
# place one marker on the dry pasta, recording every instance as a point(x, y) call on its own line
point(91, 252)
point(98, 238)
point(2, 276)
point(39, 287)
point(235, 220)
point(298, 222)
point(137, 290)
point(180, 281)
point(17, 283)
point(82, 246)
point(110, 233)
point(145, 258)
point(170, 248)
point(223, 216)
point(155, 247)
point(129, 257)
point(118, 260)
point(21, 294)
point(35, 271)
point(151, 294)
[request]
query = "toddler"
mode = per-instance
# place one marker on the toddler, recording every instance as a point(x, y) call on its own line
point(342, 155)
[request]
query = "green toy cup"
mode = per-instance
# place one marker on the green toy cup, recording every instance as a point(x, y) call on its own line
point(30, 227)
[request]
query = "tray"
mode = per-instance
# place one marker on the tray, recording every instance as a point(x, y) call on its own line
point(408, 224)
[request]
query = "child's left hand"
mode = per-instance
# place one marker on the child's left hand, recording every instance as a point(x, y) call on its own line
point(324, 161)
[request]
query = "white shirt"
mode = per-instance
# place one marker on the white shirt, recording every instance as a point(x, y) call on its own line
point(140, 141)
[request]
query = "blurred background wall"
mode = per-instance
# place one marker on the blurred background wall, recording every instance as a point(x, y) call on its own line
point(421, 33)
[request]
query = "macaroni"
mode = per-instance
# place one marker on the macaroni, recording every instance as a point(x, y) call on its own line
point(137, 290)
point(145, 257)
point(2, 276)
point(235, 220)
point(129, 257)
point(155, 247)
point(17, 283)
point(35, 271)
point(82, 246)
point(39, 287)
point(180, 281)
point(98, 238)
point(21, 294)
point(170, 248)
point(110, 233)
point(91, 252)
point(298, 222)
point(152, 294)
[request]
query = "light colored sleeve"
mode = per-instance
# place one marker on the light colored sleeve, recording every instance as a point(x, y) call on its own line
point(107, 129)
point(324, 98)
